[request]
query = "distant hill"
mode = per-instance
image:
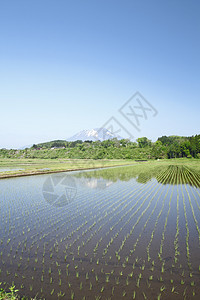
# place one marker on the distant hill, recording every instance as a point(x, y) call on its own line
point(96, 134)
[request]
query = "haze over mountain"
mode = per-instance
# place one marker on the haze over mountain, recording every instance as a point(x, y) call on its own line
point(95, 134)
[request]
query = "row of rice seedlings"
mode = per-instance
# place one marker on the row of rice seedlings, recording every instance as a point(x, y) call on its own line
point(155, 225)
point(145, 225)
point(176, 244)
point(165, 227)
point(194, 198)
point(125, 207)
point(187, 228)
point(18, 247)
point(163, 233)
point(70, 217)
point(141, 215)
point(7, 231)
point(198, 267)
point(137, 240)
point(164, 177)
point(197, 180)
point(116, 234)
point(194, 178)
point(194, 217)
point(70, 220)
point(103, 214)
point(104, 223)
point(28, 229)
point(112, 212)
point(73, 231)
point(170, 176)
point(99, 208)
point(124, 204)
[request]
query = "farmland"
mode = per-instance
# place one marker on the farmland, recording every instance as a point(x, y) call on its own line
point(129, 232)
point(21, 167)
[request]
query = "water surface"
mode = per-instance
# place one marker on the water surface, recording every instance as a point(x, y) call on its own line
point(114, 233)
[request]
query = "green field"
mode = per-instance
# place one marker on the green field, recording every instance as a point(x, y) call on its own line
point(20, 167)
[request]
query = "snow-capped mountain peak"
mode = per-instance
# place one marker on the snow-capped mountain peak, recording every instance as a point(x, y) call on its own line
point(92, 132)
point(95, 134)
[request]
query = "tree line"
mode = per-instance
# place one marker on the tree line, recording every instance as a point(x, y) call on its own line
point(142, 148)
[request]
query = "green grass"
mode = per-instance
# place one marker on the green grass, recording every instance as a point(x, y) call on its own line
point(40, 166)
point(11, 294)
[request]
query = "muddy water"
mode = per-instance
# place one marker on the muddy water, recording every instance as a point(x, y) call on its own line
point(101, 235)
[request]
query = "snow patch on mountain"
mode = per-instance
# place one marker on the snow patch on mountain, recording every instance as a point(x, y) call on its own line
point(95, 134)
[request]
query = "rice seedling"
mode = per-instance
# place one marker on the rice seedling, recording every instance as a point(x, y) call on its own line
point(192, 283)
point(145, 297)
point(124, 293)
point(138, 283)
point(102, 289)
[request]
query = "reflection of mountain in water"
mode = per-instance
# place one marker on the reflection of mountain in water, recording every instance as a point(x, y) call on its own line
point(173, 174)
point(96, 183)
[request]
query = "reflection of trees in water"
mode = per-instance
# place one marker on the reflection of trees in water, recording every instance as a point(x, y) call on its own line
point(173, 174)
point(142, 173)
point(111, 174)
point(144, 177)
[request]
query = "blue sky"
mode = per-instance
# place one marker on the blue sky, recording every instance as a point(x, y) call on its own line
point(70, 65)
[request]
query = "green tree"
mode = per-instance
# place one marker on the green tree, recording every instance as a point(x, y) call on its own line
point(143, 142)
point(158, 150)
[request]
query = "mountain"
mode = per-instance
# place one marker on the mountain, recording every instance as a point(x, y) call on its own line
point(96, 134)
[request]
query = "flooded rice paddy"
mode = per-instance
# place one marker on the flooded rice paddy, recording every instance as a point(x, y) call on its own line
point(10, 169)
point(118, 233)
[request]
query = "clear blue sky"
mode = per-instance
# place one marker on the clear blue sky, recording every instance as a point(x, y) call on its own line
point(70, 65)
